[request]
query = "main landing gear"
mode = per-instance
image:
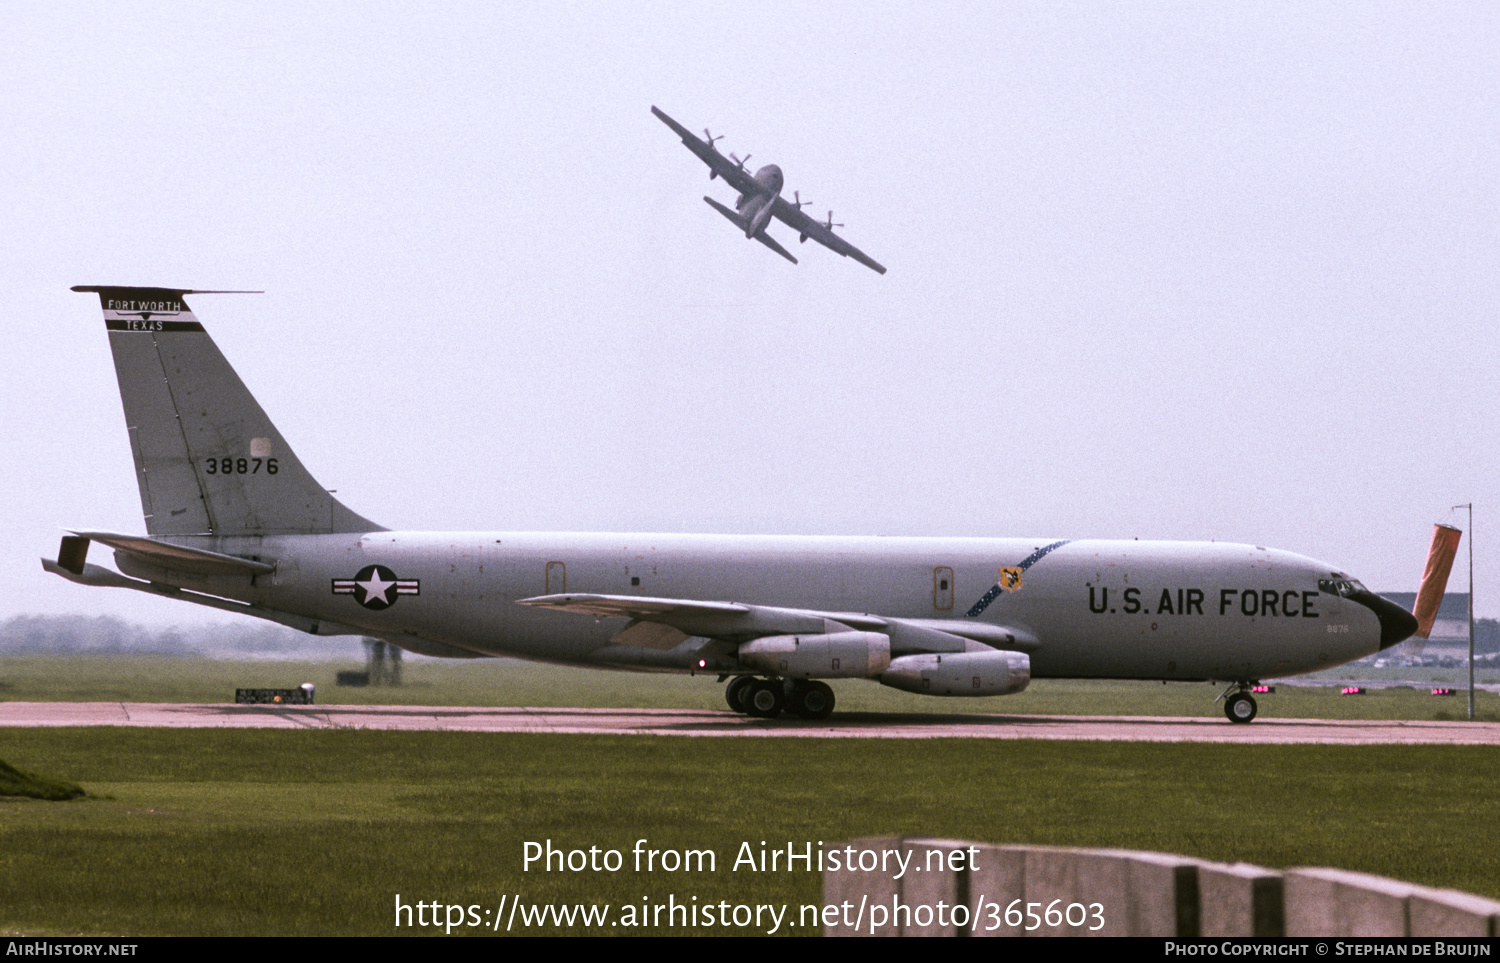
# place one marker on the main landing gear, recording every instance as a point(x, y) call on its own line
point(768, 698)
point(1239, 707)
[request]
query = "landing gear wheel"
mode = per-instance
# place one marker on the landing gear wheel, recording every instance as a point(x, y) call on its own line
point(1240, 707)
point(811, 700)
point(765, 698)
point(735, 692)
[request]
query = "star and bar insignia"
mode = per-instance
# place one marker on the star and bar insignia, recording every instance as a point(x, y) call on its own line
point(376, 587)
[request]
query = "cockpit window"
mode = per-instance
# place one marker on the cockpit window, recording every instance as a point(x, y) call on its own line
point(1342, 587)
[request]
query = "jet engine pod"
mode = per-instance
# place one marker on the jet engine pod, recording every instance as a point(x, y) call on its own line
point(960, 673)
point(837, 655)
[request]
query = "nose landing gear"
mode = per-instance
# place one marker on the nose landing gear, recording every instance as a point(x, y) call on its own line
point(1239, 707)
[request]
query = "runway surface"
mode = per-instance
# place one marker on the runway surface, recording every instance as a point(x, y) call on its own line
point(701, 722)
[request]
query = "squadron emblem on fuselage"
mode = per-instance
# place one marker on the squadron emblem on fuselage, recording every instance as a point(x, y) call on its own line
point(1010, 578)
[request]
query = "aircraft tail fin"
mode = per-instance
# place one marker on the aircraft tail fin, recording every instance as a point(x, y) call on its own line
point(207, 458)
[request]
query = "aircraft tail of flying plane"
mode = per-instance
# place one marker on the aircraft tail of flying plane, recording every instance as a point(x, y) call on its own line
point(235, 522)
point(745, 226)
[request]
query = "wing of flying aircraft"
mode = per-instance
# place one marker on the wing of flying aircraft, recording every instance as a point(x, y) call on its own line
point(760, 198)
point(733, 171)
point(235, 522)
point(821, 232)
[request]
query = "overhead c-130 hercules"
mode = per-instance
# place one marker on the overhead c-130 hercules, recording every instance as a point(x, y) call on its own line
point(760, 200)
point(234, 522)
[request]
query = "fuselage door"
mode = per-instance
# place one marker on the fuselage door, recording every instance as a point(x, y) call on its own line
point(942, 588)
point(557, 578)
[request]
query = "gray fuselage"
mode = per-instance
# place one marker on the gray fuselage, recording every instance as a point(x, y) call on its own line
point(1095, 609)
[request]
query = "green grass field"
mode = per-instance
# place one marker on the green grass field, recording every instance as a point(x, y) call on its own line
point(316, 832)
point(494, 682)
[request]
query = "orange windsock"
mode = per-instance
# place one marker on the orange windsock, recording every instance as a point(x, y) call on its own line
point(1435, 577)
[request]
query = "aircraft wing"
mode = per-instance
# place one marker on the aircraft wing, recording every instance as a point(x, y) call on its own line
point(792, 216)
point(634, 606)
point(719, 620)
point(718, 165)
point(738, 622)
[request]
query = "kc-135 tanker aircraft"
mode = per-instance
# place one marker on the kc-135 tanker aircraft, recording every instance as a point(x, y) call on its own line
point(234, 522)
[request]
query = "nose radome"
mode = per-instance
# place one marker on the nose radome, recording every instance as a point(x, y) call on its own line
point(1396, 624)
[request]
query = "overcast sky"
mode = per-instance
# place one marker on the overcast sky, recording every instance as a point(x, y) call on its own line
point(1181, 271)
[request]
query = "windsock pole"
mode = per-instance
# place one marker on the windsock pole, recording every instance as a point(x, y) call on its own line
point(1470, 507)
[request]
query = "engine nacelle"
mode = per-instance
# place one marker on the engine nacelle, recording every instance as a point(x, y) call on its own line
point(836, 655)
point(960, 673)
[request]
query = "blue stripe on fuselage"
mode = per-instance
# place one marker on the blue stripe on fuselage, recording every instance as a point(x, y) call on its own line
point(995, 589)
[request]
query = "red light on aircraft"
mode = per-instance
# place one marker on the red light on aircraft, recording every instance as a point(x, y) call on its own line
point(1352, 690)
point(1439, 690)
point(1263, 689)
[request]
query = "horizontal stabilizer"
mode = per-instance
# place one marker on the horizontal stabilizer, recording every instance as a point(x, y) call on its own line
point(178, 292)
point(770, 242)
point(734, 218)
point(89, 574)
point(194, 561)
point(97, 576)
point(743, 225)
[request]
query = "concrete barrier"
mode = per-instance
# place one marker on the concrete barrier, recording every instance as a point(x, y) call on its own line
point(863, 888)
point(1238, 899)
point(956, 888)
point(1336, 902)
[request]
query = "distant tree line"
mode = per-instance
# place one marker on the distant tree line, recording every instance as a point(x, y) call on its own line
point(108, 635)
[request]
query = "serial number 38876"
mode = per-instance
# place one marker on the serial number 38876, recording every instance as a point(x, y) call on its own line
point(239, 466)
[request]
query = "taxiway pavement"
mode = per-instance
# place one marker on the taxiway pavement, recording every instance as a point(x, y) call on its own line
point(722, 723)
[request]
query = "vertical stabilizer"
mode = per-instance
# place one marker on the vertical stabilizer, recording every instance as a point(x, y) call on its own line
point(207, 459)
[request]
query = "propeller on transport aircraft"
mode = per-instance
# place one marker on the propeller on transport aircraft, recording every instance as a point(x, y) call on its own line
point(830, 225)
point(711, 138)
point(800, 202)
point(742, 163)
